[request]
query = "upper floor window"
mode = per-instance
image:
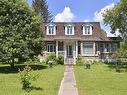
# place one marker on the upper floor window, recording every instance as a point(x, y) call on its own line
point(51, 30)
point(87, 29)
point(69, 30)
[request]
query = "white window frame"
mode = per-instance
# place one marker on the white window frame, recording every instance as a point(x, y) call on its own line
point(86, 32)
point(92, 48)
point(48, 47)
point(54, 29)
point(66, 30)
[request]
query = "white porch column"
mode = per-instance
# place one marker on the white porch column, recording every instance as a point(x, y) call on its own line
point(76, 49)
point(110, 48)
point(94, 48)
point(65, 53)
point(56, 49)
point(81, 48)
point(104, 47)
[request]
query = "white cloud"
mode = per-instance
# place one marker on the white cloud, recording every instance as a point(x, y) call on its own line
point(99, 18)
point(98, 14)
point(86, 20)
point(65, 16)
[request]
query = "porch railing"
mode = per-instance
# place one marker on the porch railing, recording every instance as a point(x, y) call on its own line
point(61, 53)
point(74, 56)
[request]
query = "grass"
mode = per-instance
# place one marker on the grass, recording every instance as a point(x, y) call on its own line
point(47, 84)
point(101, 79)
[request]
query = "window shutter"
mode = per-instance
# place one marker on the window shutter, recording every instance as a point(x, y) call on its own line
point(92, 27)
point(74, 27)
point(45, 27)
point(81, 27)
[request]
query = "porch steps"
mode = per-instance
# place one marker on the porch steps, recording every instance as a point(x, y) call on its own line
point(69, 61)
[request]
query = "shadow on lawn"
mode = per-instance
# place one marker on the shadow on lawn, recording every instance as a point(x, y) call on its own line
point(121, 67)
point(8, 69)
point(34, 88)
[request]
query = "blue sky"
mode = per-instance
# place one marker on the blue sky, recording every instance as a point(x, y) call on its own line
point(79, 10)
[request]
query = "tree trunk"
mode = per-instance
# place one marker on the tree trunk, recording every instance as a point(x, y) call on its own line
point(12, 64)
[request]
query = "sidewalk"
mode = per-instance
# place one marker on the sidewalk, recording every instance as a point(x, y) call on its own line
point(68, 84)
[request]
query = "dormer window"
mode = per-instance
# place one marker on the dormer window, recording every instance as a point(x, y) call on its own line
point(51, 29)
point(87, 29)
point(69, 30)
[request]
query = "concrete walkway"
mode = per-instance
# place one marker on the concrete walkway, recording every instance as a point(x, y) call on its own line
point(68, 84)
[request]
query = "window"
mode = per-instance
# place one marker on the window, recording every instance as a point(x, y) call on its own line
point(87, 48)
point(101, 48)
point(69, 30)
point(87, 30)
point(51, 30)
point(107, 47)
point(114, 47)
point(51, 47)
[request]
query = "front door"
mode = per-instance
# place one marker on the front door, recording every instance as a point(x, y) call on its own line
point(69, 51)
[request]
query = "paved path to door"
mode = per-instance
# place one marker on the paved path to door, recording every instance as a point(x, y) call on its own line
point(68, 84)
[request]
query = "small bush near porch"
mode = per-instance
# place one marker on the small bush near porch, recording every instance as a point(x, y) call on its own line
point(101, 79)
point(47, 83)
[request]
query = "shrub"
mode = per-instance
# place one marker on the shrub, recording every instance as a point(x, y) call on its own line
point(60, 59)
point(96, 62)
point(51, 57)
point(118, 66)
point(80, 61)
point(26, 77)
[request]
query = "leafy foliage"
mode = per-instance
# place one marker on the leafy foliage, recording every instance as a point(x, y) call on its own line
point(60, 59)
point(41, 8)
point(120, 56)
point(20, 31)
point(79, 61)
point(26, 76)
point(116, 17)
point(121, 52)
point(51, 57)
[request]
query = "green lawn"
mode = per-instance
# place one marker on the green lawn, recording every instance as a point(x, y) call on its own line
point(47, 84)
point(101, 79)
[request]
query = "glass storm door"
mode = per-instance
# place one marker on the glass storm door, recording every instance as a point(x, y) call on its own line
point(69, 51)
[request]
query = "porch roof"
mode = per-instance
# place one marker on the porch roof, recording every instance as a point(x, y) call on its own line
point(80, 38)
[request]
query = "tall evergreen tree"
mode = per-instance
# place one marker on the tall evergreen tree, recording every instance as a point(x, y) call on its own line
point(41, 8)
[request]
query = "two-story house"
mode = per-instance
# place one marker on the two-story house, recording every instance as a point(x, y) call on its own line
point(79, 38)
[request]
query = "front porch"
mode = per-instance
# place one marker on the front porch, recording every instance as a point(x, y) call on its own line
point(72, 48)
point(69, 49)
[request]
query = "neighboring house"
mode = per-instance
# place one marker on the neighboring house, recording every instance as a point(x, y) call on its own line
point(79, 38)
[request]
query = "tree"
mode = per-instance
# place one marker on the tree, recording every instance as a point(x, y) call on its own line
point(116, 17)
point(20, 31)
point(41, 8)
